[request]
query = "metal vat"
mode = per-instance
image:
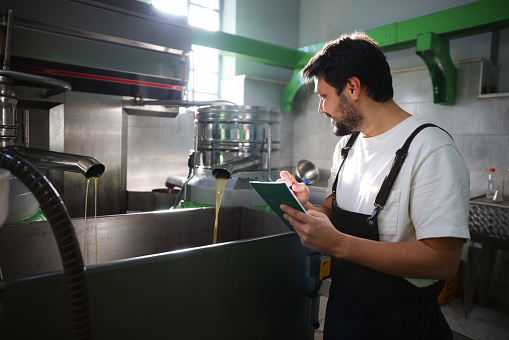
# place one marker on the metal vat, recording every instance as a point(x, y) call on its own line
point(157, 276)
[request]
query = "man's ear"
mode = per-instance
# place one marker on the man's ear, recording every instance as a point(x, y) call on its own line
point(354, 87)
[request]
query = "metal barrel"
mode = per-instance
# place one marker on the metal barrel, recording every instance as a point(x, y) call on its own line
point(227, 133)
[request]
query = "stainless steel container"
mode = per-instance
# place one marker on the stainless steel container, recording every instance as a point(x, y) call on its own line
point(157, 276)
point(241, 141)
point(226, 133)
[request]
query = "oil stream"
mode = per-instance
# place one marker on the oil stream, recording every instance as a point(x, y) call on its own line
point(220, 184)
point(85, 244)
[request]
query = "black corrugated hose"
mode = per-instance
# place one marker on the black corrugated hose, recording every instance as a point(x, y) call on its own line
point(58, 217)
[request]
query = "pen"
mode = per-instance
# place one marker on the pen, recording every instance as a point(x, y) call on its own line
point(305, 182)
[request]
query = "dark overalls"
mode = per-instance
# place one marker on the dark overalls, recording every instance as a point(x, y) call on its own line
point(368, 304)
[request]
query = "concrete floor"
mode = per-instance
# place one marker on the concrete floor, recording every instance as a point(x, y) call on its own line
point(481, 324)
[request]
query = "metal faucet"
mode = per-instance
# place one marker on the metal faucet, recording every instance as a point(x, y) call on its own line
point(43, 159)
point(226, 169)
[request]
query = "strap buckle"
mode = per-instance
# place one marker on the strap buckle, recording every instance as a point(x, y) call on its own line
point(344, 151)
point(402, 153)
point(374, 214)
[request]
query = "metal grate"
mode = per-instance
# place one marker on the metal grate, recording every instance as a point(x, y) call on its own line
point(488, 220)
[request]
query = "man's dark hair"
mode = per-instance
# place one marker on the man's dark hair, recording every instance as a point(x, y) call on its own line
point(353, 55)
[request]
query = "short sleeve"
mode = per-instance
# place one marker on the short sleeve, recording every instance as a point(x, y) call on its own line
point(440, 194)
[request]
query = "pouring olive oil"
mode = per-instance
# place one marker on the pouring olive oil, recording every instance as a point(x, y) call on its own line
point(220, 184)
point(85, 242)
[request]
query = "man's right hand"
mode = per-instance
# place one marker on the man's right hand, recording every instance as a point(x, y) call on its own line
point(300, 190)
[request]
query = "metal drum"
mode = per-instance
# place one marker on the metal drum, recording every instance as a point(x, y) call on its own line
point(241, 141)
point(225, 133)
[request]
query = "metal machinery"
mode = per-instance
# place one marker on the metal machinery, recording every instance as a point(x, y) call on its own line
point(240, 143)
point(23, 205)
point(118, 57)
point(149, 275)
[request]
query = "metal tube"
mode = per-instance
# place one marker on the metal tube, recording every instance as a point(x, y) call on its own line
point(56, 86)
point(8, 122)
point(87, 166)
point(7, 57)
point(225, 170)
point(26, 128)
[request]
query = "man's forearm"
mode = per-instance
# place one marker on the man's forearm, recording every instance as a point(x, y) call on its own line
point(436, 258)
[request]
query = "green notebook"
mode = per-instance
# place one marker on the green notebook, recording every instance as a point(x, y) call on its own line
point(275, 194)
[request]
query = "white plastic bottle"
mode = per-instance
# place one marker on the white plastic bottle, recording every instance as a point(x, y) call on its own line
point(492, 184)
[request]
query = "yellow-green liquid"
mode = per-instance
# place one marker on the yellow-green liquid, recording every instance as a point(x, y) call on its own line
point(220, 184)
point(85, 244)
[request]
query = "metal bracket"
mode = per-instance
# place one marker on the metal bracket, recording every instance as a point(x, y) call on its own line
point(434, 50)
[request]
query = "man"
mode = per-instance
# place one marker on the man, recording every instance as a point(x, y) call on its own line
point(392, 242)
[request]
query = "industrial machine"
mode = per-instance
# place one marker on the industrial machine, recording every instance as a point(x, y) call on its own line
point(23, 205)
point(121, 58)
point(240, 143)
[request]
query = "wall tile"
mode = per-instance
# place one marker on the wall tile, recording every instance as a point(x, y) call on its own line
point(482, 152)
point(467, 83)
point(480, 116)
point(177, 143)
point(145, 175)
point(412, 86)
point(144, 142)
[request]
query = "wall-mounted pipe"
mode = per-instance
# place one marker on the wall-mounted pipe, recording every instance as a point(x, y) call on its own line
point(8, 35)
point(53, 207)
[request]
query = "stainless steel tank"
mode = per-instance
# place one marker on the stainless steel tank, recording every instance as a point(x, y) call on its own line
point(240, 143)
point(157, 276)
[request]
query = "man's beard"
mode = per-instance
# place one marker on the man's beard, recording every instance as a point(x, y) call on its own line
point(351, 120)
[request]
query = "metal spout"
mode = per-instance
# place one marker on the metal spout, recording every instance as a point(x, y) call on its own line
point(87, 166)
point(227, 169)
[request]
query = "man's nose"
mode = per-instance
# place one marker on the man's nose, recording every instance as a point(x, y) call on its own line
point(321, 110)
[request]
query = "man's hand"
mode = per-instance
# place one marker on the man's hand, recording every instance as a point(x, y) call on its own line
point(315, 230)
point(301, 191)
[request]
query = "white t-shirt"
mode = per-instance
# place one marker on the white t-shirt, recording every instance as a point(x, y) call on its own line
point(430, 196)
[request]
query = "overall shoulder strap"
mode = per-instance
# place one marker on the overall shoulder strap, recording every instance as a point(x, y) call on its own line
point(399, 159)
point(344, 154)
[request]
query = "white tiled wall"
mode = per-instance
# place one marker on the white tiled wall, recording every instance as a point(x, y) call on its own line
point(156, 148)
